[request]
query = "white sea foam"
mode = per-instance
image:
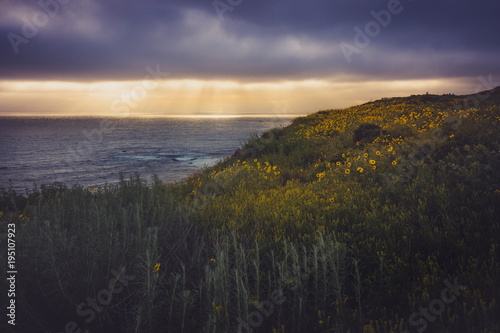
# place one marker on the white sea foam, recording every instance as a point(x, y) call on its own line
point(80, 150)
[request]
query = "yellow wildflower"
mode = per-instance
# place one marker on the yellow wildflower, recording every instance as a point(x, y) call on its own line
point(156, 267)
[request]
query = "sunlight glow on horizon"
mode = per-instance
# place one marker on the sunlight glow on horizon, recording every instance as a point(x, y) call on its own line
point(204, 98)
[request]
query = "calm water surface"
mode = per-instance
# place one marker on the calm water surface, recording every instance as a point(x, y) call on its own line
point(93, 151)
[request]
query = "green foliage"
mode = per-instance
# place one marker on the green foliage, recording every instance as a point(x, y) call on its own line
point(303, 228)
point(366, 132)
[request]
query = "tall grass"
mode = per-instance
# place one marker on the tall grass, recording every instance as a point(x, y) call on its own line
point(305, 230)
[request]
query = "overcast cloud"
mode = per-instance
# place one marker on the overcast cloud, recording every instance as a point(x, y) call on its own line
point(93, 40)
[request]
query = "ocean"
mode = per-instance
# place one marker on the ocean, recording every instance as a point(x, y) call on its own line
point(94, 151)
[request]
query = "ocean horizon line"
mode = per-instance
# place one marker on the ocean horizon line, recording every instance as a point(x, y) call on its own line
point(215, 116)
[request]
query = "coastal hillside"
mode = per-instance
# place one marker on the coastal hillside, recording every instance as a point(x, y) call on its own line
point(381, 217)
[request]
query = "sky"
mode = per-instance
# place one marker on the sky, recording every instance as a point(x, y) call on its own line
point(239, 57)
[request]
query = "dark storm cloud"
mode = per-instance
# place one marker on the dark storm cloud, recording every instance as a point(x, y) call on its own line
point(256, 40)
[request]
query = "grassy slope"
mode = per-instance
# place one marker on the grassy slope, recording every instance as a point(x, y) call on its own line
point(346, 219)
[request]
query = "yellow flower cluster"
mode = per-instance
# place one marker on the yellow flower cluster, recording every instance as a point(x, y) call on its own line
point(418, 116)
point(217, 309)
